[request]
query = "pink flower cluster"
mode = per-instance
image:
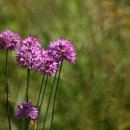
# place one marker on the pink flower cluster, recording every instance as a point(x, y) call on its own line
point(63, 49)
point(30, 54)
point(49, 64)
point(27, 110)
point(9, 40)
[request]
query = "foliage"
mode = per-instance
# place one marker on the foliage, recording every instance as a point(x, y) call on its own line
point(94, 93)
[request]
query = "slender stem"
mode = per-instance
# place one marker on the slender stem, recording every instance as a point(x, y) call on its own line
point(26, 124)
point(34, 124)
point(28, 77)
point(7, 90)
point(40, 90)
point(49, 101)
point(43, 94)
point(55, 96)
point(39, 95)
point(27, 97)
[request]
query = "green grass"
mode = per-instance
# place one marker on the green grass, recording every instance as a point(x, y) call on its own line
point(94, 92)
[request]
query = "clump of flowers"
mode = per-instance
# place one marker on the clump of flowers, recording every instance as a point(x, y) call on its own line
point(9, 40)
point(27, 110)
point(29, 53)
point(63, 50)
point(49, 64)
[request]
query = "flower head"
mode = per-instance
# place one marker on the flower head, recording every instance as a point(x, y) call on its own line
point(27, 110)
point(9, 40)
point(49, 64)
point(63, 49)
point(29, 53)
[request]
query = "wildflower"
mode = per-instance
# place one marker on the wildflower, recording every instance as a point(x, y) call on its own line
point(29, 53)
point(63, 49)
point(27, 110)
point(9, 40)
point(49, 64)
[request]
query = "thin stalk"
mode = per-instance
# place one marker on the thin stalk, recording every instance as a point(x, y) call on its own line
point(40, 90)
point(43, 95)
point(49, 101)
point(28, 77)
point(27, 97)
point(53, 109)
point(7, 91)
point(26, 124)
point(39, 95)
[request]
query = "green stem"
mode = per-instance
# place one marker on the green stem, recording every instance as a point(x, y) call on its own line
point(27, 97)
point(26, 124)
point(39, 95)
point(28, 77)
point(43, 94)
point(40, 90)
point(7, 91)
point(55, 96)
point(49, 102)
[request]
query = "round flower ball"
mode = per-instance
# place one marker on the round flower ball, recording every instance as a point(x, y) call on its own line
point(9, 40)
point(49, 64)
point(63, 50)
point(26, 110)
point(29, 53)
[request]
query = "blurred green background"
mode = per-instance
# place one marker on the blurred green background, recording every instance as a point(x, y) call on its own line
point(94, 93)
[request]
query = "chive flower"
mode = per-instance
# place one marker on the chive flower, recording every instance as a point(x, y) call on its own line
point(9, 40)
point(49, 64)
point(26, 111)
point(63, 50)
point(29, 53)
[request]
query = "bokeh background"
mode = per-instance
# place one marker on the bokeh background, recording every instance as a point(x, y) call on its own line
point(94, 93)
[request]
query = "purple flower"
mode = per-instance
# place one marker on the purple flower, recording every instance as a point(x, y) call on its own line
point(27, 110)
point(29, 53)
point(9, 40)
point(63, 49)
point(49, 64)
